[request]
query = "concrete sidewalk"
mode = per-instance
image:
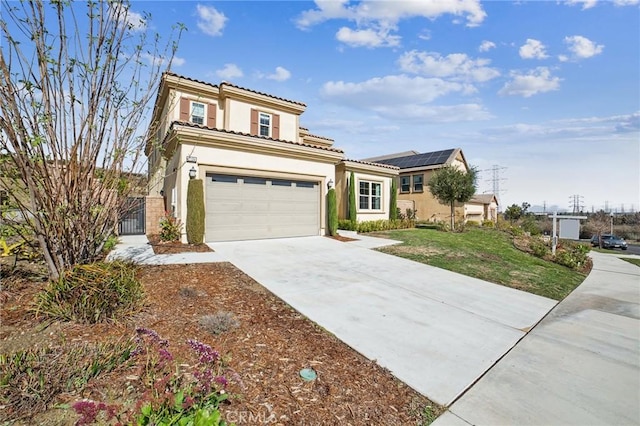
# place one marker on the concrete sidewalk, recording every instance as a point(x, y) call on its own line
point(137, 249)
point(580, 365)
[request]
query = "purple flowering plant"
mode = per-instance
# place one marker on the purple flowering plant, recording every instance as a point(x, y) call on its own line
point(170, 392)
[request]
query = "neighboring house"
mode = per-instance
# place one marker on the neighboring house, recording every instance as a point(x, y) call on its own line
point(415, 171)
point(482, 207)
point(265, 175)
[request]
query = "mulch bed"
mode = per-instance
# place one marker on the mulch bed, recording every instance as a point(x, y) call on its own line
point(272, 343)
point(175, 247)
point(341, 238)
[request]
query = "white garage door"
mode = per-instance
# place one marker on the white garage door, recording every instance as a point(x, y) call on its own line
point(244, 208)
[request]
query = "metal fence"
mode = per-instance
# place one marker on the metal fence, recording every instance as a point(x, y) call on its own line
point(132, 218)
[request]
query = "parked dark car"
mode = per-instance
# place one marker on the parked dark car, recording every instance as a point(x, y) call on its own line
point(609, 242)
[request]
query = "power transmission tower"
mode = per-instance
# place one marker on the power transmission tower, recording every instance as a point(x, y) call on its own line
point(495, 180)
point(576, 203)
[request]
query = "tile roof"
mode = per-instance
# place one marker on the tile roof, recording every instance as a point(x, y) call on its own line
point(233, 85)
point(435, 158)
point(369, 163)
point(199, 126)
point(225, 83)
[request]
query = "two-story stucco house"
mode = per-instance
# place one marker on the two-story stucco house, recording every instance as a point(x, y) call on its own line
point(265, 175)
point(415, 171)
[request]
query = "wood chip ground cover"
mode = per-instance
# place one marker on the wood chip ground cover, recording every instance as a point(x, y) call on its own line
point(268, 348)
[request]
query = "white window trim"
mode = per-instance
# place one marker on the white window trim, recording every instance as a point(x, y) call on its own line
point(371, 196)
point(260, 125)
point(204, 112)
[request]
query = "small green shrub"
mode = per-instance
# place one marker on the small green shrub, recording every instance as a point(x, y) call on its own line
point(219, 322)
point(539, 248)
point(352, 198)
point(332, 211)
point(488, 224)
point(195, 212)
point(92, 293)
point(170, 228)
point(347, 225)
point(31, 379)
point(530, 225)
point(473, 223)
point(393, 202)
point(110, 243)
point(572, 255)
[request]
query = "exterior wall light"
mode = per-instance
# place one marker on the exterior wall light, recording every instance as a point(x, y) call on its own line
point(330, 184)
point(192, 173)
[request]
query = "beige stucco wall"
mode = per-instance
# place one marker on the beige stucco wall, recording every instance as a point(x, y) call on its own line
point(239, 119)
point(219, 160)
point(426, 205)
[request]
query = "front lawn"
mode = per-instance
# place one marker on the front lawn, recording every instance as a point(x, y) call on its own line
point(486, 254)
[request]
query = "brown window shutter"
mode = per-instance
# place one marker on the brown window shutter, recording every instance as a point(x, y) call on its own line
point(184, 109)
point(275, 134)
point(211, 115)
point(254, 122)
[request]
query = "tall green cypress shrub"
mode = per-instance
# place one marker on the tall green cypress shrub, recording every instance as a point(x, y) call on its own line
point(352, 198)
point(393, 201)
point(195, 211)
point(332, 211)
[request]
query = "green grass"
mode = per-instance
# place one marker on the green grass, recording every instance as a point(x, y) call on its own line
point(486, 254)
point(631, 260)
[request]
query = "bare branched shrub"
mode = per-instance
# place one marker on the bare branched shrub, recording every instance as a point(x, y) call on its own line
point(219, 322)
point(77, 82)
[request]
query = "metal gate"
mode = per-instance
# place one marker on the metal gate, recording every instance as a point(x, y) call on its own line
point(132, 217)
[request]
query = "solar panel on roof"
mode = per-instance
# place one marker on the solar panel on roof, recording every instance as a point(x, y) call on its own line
point(419, 160)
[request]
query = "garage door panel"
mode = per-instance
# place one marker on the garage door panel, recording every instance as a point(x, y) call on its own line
point(240, 208)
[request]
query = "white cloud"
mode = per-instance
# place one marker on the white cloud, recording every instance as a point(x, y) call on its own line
point(367, 38)
point(390, 91)
point(586, 4)
point(457, 66)
point(582, 48)
point(535, 81)
point(390, 11)
point(229, 72)
point(281, 74)
point(436, 114)
point(626, 2)
point(159, 60)
point(533, 49)
point(486, 45)
point(376, 19)
point(210, 21)
point(135, 21)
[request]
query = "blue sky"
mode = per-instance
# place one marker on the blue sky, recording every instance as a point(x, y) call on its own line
point(548, 91)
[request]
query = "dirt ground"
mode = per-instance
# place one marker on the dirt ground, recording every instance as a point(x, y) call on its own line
point(268, 348)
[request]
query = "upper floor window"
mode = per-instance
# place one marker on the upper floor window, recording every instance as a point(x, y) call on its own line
point(265, 124)
point(418, 181)
point(197, 113)
point(370, 195)
point(405, 183)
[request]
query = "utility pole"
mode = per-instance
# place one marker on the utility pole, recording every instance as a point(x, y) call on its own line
point(606, 205)
point(576, 203)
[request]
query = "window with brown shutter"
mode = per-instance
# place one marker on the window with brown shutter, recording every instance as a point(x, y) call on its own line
point(254, 122)
point(211, 115)
point(275, 126)
point(184, 109)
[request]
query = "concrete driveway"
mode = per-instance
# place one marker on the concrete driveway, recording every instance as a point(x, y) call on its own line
point(435, 330)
